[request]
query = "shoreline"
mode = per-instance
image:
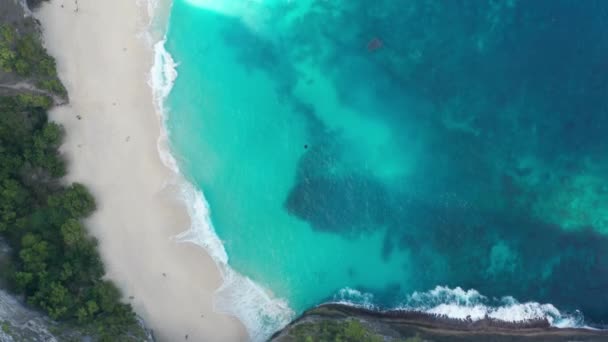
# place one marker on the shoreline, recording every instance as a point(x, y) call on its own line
point(406, 323)
point(253, 305)
point(112, 147)
point(161, 233)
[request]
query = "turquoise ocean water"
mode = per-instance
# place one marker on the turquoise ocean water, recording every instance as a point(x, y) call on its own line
point(449, 156)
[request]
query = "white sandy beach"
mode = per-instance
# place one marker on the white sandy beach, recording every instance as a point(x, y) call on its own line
point(112, 149)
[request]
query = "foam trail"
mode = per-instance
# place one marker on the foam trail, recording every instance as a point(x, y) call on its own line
point(260, 312)
point(469, 304)
point(238, 296)
point(350, 296)
point(162, 77)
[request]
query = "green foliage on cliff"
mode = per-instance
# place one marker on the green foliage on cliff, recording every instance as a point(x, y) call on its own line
point(337, 330)
point(24, 55)
point(334, 331)
point(54, 262)
point(5, 327)
point(7, 53)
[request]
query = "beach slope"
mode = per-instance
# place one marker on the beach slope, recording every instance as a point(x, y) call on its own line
point(111, 146)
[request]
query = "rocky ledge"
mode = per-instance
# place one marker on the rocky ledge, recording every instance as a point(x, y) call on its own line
point(336, 322)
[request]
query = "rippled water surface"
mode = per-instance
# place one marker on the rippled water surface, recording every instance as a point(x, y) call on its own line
point(394, 146)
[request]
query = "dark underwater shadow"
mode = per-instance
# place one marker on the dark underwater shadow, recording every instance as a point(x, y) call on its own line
point(489, 85)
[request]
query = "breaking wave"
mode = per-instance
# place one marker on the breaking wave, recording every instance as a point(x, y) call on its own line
point(469, 304)
point(260, 312)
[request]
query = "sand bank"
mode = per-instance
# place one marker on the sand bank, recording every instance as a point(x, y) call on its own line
point(111, 145)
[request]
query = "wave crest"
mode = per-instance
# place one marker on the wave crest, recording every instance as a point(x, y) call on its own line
point(260, 312)
point(463, 304)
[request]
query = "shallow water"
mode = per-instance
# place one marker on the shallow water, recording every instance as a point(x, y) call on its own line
point(393, 146)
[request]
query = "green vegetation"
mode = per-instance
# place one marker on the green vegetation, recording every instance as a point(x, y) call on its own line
point(334, 331)
point(5, 327)
point(53, 85)
point(24, 55)
point(7, 41)
point(54, 262)
point(349, 330)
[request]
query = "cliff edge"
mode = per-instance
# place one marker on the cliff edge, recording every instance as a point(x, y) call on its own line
point(337, 322)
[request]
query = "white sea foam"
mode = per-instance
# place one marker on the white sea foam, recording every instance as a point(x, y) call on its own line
point(162, 77)
point(238, 296)
point(350, 296)
point(470, 304)
point(260, 312)
point(201, 232)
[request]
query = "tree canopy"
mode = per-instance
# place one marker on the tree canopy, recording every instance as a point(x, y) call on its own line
point(54, 263)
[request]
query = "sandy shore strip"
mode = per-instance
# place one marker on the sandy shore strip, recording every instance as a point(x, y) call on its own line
point(111, 145)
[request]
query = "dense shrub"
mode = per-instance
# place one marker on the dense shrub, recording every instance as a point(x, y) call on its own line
point(25, 55)
point(54, 263)
point(329, 331)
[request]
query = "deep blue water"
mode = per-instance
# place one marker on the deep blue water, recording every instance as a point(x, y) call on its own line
point(392, 146)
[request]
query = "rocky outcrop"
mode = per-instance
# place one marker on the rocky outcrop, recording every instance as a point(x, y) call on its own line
point(347, 323)
point(15, 15)
point(18, 323)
